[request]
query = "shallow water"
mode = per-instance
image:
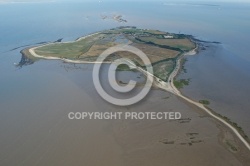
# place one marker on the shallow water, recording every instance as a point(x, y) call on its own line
point(44, 93)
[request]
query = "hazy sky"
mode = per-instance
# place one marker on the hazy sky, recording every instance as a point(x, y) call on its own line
point(131, 0)
point(163, 1)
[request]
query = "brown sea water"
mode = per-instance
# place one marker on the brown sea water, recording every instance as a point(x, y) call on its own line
point(36, 99)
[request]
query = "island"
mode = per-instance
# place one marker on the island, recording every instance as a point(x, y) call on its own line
point(162, 48)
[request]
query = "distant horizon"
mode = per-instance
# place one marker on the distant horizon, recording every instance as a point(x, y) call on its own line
point(172, 1)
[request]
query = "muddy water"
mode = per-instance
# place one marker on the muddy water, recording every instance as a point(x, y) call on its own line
point(36, 99)
point(35, 129)
point(34, 124)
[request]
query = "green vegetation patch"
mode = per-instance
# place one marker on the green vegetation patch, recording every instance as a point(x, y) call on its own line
point(183, 44)
point(163, 69)
point(123, 67)
point(181, 83)
point(205, 102)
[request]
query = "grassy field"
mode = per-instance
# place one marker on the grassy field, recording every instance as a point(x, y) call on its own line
point(155, 53)
point(163, 69)
point(69, 50)
point(183, 44)
point(156, 32)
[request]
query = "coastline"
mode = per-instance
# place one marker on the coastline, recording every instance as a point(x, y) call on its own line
point(167, 86)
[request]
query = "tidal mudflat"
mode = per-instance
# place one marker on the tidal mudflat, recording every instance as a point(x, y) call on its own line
point(40, 133)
